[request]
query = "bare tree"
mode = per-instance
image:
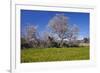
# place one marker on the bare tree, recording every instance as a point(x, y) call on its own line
point(47, 39)
point(44, 40)
point(58, 24)
point(31, 32)
point(72, 34)
point(30, 35)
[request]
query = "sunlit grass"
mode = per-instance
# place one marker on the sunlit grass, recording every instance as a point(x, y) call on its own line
point(54, 54)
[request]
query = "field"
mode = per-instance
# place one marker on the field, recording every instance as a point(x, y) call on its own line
point(54, 54)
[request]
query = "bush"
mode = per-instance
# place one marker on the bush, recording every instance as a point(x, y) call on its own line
point(70, 44)
point(55, 44)
point(25, 44)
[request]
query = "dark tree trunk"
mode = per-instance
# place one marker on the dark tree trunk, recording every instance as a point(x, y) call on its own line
point(61, 43)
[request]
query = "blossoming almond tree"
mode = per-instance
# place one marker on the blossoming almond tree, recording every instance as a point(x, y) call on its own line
point(59, 25)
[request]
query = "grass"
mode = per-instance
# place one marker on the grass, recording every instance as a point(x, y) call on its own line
point(54, 54)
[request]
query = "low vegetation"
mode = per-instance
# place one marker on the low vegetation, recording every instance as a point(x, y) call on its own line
point(54, 54)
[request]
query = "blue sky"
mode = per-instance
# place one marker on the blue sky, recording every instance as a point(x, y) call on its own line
point(41, 19)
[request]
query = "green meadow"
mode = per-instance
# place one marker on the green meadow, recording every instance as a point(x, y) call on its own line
point(54, 54)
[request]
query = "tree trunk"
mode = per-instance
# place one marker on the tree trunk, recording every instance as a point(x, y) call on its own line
point(61, 43)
